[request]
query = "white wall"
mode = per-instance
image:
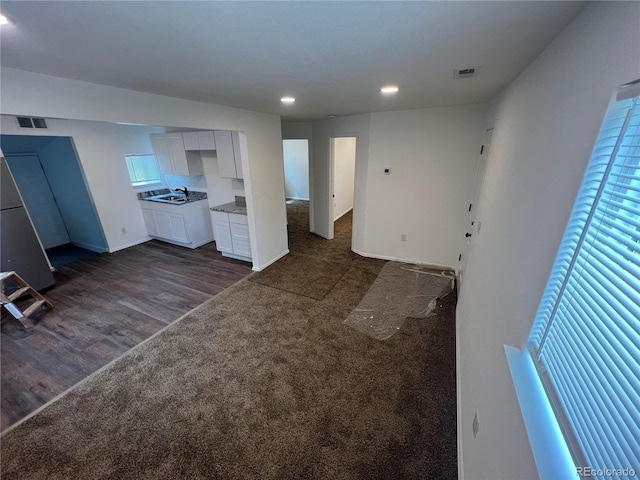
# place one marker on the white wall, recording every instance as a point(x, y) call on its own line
point(547, 122)
point(25, 93)
point(296, 168)
point(344, 169)
point(433, 155)
point(352, 126)
point(101, 147)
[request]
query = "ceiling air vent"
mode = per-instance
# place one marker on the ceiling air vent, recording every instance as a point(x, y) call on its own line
point(31, 122)
point(466, 72)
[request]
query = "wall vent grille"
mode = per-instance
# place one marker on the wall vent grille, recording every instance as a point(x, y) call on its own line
point(31, 122)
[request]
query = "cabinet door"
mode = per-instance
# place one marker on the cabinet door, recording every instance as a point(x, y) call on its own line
point(222, 232)
point(224, 152)
point(161, 150)
point(206, 140)
point(177, 153)
point(163, 224)
point(239, 140)
point(149, 222)
point(190, 140)
point(178, 230)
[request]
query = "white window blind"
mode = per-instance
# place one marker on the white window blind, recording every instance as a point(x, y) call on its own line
point(585, 340)
point(143, 169)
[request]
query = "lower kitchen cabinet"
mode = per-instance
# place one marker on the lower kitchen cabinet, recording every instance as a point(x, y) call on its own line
point(188, 225)
point(232, 235)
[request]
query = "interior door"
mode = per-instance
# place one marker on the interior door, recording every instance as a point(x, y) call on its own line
point(473, 227)
point(38, 199)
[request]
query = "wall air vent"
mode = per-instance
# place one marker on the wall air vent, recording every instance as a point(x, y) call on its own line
point(465, 72)
point(31, 122)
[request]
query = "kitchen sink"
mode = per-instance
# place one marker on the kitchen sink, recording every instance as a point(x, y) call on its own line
point(169, 198)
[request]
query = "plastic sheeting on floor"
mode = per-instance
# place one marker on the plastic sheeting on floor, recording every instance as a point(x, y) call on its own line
point(401, 290)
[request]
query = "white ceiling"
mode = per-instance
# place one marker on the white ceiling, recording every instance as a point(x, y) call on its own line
point(332, 56)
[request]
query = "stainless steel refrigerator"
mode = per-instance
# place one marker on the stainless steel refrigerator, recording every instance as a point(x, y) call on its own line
point(20, 249)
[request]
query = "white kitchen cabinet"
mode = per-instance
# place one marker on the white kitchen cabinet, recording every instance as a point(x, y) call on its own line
point(239, 141)
point(232, 235)
point(170, 226)
point(199, 140)
point(188, 224)
point(149, 221)
point(231, 147)
point(172, 157)
point(161, 150)
point(222, 232)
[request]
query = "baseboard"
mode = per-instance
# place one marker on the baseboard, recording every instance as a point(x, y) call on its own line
point(256, 269)
point(88, 246)
point(342, 214)
point(405, 260)
point(132, 244)
point(459, 403)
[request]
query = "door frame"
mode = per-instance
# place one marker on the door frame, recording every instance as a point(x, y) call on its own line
point(330, 219)
point(476, 192)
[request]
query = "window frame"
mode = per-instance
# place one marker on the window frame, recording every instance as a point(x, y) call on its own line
point(143, 184)
point(551, 431)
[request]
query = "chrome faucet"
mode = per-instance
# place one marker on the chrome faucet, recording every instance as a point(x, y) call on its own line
point(183, 190)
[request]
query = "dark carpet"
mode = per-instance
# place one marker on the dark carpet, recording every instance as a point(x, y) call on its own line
point(261, 383)
point(315, 280)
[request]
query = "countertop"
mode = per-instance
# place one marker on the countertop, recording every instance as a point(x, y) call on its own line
point(231, 207)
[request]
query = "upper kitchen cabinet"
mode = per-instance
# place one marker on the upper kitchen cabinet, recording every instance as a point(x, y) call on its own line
point(231, 147)
point(199, 141)
point(172, 156)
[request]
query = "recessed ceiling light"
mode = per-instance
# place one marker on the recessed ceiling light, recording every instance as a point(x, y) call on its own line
point(287, 99)
point(389, 89)
point(3, 20)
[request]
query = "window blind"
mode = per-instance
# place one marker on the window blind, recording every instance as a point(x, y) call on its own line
point(585, 340)
point(143, 169)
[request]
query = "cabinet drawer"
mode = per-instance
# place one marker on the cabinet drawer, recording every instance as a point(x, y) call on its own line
point(219, 216)
point(237, 218)
point(242, 248)
point(239, 232)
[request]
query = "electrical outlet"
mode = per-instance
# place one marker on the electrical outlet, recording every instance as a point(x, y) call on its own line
point(123, 230)
point(476, 424)
point(403, 237)
point(387, 170)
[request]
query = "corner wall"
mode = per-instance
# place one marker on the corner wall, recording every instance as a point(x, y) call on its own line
point(547, 122)
point(26, 93)
point(432, 154)
point(100, 148)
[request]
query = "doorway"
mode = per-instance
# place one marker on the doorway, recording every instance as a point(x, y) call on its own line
point(295, 154)
point(51, 182)
point(342, 153)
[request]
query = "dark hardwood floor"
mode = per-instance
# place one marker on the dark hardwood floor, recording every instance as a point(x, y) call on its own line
point(103, 307)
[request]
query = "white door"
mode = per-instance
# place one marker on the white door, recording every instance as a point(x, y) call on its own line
point(474, 225)
point(38, 199)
